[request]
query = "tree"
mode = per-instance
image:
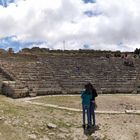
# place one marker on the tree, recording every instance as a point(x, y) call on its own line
point(137, 51)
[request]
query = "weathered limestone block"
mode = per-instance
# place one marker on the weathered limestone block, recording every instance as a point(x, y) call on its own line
point(134, 92)
point(10, 88)
point(18, 93)
point(46, 91)
point(32, 93)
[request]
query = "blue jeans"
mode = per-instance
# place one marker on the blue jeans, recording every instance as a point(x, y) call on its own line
point(86, 111)
point(92, 111)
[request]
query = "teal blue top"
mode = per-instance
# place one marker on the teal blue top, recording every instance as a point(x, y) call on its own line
point(86, 97)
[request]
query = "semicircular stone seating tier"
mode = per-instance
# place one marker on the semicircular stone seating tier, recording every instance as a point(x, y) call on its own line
point(67, 75)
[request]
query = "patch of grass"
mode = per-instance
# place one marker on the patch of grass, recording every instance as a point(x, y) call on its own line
point(66, 101)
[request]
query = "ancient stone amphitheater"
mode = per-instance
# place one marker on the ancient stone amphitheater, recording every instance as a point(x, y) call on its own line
point(30, 74)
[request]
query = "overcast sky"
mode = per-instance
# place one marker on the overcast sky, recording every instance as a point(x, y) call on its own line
point(100, 24)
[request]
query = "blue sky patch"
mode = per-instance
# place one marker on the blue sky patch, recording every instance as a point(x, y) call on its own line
point(12, 42)
point(86, 46)
point(5, 3)
point(89, 1)
point(92, 13)
point(89, 13)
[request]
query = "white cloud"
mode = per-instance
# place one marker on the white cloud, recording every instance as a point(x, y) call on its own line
point(57, 20)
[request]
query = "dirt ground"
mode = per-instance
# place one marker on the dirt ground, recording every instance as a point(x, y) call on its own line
point(21, 120)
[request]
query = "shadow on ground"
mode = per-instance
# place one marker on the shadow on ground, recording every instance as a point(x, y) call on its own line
point(91, 130)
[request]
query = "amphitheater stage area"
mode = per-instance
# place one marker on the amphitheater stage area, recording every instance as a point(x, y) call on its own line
point(105, 102)
point(28, 118)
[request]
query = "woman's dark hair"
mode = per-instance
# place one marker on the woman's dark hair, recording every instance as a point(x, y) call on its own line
point(90, 86)
point(94, 93)
point(87, 87)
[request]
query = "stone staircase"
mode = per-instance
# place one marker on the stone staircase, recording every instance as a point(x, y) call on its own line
point(2, 78)
point(108, 75)
point(60, 74)
point(33, 75)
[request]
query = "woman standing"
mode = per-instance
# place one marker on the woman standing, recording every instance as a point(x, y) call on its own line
point(86, 99)
point(93, 104)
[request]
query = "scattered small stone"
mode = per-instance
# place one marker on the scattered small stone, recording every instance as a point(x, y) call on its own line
point(51, 126)
point(15, 122)
point(25, 123)
point(7, 122)
point(52, 133)
point(98, 136)
point(68, 124)
point(1, 111)
point(64, 130)
point(124, 122)
point(61, 136)
point(32, 136)
point(1, 118)
point(42, 128)
point(69, 113)
point(108, 117)
point(33, 131)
